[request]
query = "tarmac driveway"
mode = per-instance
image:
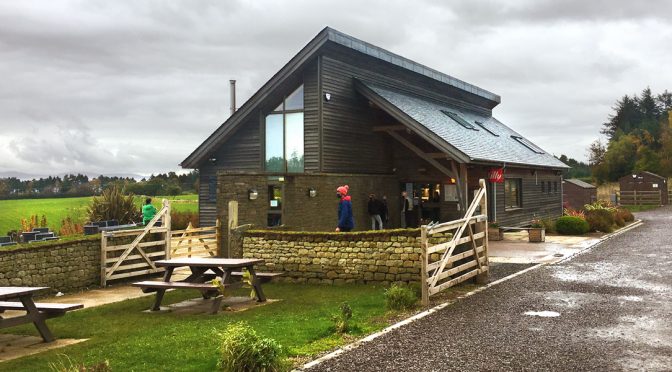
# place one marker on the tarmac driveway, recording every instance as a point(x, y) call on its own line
point(607, 309)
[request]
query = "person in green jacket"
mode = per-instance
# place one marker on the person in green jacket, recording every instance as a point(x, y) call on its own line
point(148, 211)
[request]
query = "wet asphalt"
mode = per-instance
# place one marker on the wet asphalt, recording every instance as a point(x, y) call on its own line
point(613, 305)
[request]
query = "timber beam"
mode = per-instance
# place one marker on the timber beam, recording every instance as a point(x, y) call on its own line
point(390, 128)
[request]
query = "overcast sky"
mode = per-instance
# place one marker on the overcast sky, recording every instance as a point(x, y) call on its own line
point(132, 87)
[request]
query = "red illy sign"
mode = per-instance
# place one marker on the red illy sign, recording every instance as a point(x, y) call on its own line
point(496, 175)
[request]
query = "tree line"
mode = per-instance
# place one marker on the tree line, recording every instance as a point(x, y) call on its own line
point(71, 185)
point(639, 138)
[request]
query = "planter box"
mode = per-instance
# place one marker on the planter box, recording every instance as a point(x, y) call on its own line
point(537, 235)
point(495, 233)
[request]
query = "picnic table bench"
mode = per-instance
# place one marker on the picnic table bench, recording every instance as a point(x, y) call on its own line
point(203, 271)
point(36, 313)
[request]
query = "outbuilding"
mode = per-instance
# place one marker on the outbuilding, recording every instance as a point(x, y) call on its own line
point(577, 193)
point(643, 188)
point(343, 111)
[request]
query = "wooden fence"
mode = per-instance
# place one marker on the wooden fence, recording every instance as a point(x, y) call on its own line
point(128, 253)
point(639, 197)
point(195, 242)
point(442, 266)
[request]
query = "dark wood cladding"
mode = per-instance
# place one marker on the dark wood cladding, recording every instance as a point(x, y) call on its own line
point(537, 203)
point(311, 119)
point(645, 181)
point(207, 208)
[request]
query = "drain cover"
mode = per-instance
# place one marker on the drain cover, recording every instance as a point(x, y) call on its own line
point(558, 255)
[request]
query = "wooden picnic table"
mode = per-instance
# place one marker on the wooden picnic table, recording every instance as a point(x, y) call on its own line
point(200, 279)
point(35, 313)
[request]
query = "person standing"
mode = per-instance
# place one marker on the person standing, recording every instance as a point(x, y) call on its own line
point(148, 211)
point(374, 208)
point(345, 220)
point(384, 211)
point(406, 209)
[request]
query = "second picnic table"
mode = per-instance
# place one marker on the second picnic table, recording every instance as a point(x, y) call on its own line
point(199, 279)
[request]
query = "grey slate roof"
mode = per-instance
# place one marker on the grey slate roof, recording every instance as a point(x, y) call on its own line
point(380, 53)
point(477, 145)
point(580, 183)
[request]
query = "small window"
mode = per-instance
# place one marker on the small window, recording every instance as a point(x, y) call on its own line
point(480, 124)
point(555, 187)
point(531, 146)
point(549, 186)
point(543, 189)
point(513, 193)
point(458, 119)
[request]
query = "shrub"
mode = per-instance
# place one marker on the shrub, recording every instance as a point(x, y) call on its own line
point(243, 350)
point(536, 223)
point(599, 205)
point(569, 225)
point(600, 220)
point(112, 204)
point(69, 227)
point(180, 220)
point(574, 213)
point(549, 225)
point(625, 214)
point(342, 318)
point(400, 297)
point(32, 222)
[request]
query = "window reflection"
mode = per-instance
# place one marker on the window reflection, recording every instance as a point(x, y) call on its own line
point(285, 136)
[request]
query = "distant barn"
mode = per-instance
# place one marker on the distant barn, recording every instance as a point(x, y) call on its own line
point(576, 193)
point(643, 188)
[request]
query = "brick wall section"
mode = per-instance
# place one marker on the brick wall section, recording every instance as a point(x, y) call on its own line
point(332, 258)
point(62, 266)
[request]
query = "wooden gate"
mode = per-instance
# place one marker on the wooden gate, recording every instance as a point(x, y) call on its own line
point(442, 266)
point(120, 258)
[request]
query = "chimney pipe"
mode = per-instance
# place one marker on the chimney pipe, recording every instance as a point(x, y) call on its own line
point(233, 96)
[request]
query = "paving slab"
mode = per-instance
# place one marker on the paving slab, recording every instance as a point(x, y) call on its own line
point(18, 346)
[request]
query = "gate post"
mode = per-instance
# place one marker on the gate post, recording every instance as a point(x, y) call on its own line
point(103, 259)
point(232, 224)
point(167, 221)
point(482, 278)
point(423, 265)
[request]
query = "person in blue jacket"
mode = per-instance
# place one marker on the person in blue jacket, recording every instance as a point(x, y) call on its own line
point(345, 221)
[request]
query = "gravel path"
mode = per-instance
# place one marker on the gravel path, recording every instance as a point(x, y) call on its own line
point(614, 304)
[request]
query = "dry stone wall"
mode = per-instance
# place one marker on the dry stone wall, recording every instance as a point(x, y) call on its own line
point(333, 258)
point(62, 266)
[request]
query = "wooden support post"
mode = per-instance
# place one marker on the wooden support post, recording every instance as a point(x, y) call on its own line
point(167, 220)
point(423, 267)
point(458, 184)
point(482, 278)
point(103, 259)
point(465, 183)
point(218, 237)
point(233, 223)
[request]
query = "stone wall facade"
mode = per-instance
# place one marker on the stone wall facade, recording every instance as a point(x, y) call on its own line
point(367, 257)
point(62, 266)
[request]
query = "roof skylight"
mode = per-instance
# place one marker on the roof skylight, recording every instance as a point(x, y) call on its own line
point(458, 119)
point(480, 124)
point(531, 146)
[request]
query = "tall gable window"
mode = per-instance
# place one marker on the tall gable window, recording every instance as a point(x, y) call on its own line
point(284, 135)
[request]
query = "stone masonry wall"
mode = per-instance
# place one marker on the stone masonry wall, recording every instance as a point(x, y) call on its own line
point(62, 266)
point(381, 257)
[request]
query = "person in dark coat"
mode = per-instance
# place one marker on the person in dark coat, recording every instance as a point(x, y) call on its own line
point(345, 220)
point(406, 210)
point(374, 207)
point(384, 211)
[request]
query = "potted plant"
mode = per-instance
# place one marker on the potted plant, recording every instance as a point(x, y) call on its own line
point(494, 231)
point(536, 232)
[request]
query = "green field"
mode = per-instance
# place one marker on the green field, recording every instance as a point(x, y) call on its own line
point(56, 209)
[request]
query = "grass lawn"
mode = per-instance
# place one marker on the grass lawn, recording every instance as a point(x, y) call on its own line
point(133, 340)
point(56, 209)
point(639, 208)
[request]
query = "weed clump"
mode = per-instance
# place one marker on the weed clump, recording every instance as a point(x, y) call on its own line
point(242, 350)
point(400, 297)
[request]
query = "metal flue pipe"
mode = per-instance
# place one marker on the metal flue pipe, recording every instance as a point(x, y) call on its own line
point(233, 96)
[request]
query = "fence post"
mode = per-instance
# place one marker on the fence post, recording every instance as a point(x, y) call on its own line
point(482, 278)
point(635, 197)
point(233, 223)
point(218, 237)
point(167, 221)
point(103, 259)
point(423, 265)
